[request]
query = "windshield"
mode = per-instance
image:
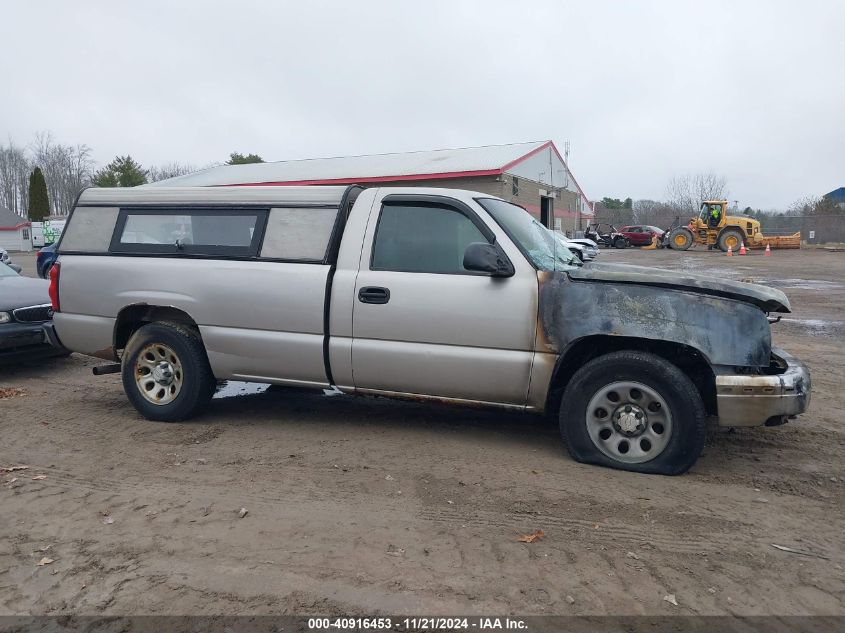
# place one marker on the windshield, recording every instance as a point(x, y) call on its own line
point(535, 241)
point(5, 271)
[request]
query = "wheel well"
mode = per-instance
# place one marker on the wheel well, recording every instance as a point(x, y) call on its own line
point(732, 227)
point(130, 318)
point(682, 229)
point(688, 359)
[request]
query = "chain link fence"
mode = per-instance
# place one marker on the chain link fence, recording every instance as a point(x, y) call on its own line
point(814, 229)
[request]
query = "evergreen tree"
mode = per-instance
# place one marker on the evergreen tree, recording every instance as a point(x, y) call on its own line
point(39, 203)
point(236, 158)
point(123, 171)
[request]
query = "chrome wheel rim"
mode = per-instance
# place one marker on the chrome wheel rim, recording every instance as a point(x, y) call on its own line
point(158, 374)
point(629, 422)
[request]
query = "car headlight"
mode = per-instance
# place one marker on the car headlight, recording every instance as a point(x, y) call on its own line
point(5, 317)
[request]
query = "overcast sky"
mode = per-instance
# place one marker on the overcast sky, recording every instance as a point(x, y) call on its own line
point(754, 91)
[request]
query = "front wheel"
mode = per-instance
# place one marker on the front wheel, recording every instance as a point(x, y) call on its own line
point(633, 411)
point(730, 238)
point(680, 239)
point(620, 242)
point(166, 374)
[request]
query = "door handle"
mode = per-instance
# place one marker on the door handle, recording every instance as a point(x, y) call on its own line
point(373, 294)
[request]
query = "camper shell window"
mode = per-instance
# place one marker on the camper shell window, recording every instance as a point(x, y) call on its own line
point(216, 232)
point(300, 234)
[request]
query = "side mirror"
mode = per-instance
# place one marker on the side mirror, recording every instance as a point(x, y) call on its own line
point(487, 258)
point(16, 268)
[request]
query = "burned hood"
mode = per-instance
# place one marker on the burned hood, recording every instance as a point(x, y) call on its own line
point(723, 331)
point(768, 299)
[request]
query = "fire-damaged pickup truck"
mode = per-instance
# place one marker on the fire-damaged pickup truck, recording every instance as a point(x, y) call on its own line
point(417, 293)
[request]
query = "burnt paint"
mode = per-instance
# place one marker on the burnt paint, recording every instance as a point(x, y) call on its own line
point(725, 331)
point(768, 299)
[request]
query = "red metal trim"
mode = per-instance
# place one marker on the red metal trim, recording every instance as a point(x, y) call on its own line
point(536, 150)
point(353, 181)
point(581, 191)
point(15, 228)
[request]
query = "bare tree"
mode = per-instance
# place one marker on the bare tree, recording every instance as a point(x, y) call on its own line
point(655, 213)
point(804, 206)
point(15, 167)
point(67, 170)
point(685, 193)
point(169, 170)
point(645, 210)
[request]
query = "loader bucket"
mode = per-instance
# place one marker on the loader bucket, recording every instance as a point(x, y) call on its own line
point(778, 241)
point(652, 246)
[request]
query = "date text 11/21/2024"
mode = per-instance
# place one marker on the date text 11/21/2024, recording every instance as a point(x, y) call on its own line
point(417, 623)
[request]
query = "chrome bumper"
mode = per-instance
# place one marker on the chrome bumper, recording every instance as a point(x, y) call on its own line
point(758, 400)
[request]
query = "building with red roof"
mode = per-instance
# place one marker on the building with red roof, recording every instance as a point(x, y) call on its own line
point(533, 175)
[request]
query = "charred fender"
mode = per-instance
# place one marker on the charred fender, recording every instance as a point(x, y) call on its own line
point(726, 331)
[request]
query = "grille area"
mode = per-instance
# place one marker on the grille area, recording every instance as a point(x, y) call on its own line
point(33, 314)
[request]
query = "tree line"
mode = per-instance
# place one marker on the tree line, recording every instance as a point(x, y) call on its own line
point(45, 177)
point(685, 193)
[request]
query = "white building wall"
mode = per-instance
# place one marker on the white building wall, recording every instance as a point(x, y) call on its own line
point(13, 240)
point(545, 167)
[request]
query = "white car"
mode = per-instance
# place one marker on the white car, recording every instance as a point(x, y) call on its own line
point(591, 249)
point(4, 256)
point(584, 249)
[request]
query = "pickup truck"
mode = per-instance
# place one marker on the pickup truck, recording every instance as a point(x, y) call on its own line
point(422, 293)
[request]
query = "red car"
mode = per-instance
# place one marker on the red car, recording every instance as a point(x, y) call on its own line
point(640, 235)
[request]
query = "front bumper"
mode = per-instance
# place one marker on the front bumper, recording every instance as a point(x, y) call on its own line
point(27, 339)
point(768, 399)
point(16, 335)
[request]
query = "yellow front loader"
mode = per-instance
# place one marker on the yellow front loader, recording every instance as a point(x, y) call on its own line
point(714, 228)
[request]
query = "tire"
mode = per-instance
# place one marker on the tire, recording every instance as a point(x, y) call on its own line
point(620, 242)
point(680, 239)
point(165, 372)
point(730, 237)
point(668, 437)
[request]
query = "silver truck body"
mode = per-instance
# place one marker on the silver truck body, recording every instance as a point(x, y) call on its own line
point(502, 341)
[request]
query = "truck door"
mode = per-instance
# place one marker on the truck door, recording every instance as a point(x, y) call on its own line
point(422, 324)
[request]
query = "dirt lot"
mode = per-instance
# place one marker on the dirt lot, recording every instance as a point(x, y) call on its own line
point(361, 506)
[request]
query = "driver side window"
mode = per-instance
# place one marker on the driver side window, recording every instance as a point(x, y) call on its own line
point(423, 238)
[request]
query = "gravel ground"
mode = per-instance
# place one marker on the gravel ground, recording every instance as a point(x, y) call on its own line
point(361, 505)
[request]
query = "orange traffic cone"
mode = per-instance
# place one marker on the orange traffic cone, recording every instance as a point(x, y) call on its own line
point(730, 251)
point(742, 250)
point(768, 252)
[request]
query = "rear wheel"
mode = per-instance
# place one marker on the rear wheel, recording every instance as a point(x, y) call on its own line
point(730, 237)
point(633, 411)
point(680, 239)
point(166, 374)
